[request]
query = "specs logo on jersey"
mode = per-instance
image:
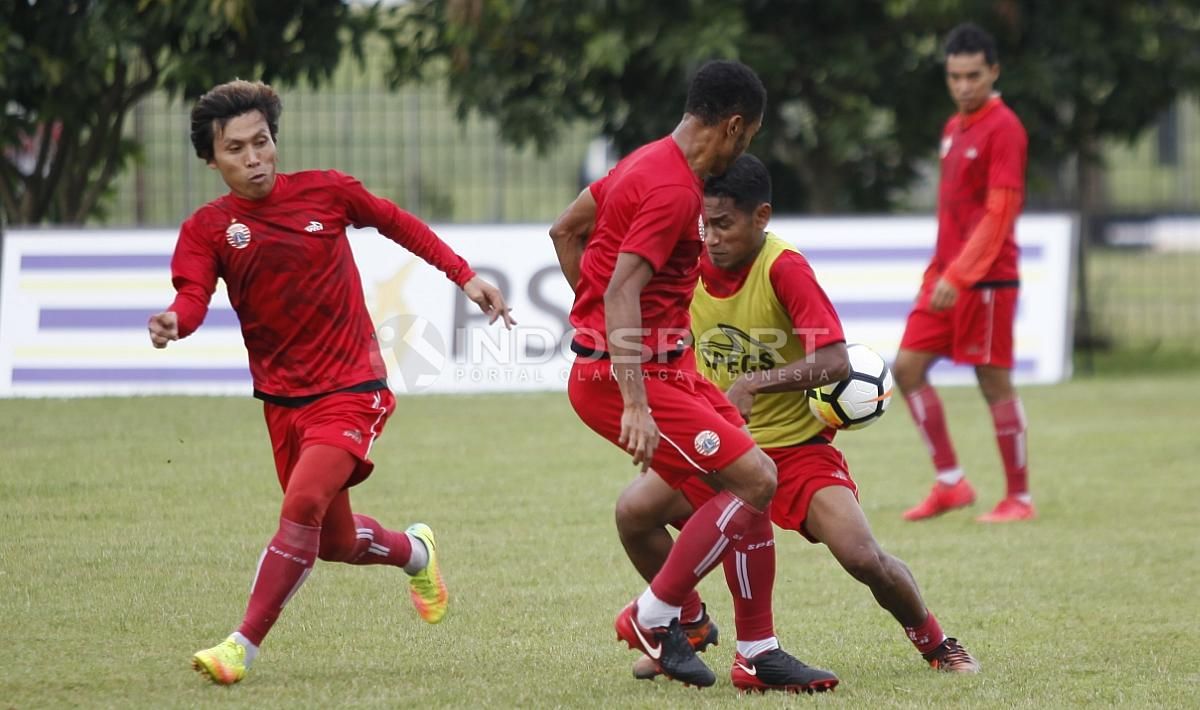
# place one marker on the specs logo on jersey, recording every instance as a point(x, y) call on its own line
point(971, 153)
point(237, 235)
point(700, 226)
point(707, 443)
point(947, 141)
point(733, 351)
point(314, 226)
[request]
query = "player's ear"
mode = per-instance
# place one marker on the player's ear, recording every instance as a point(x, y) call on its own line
point(736, 125)
point(762, 215)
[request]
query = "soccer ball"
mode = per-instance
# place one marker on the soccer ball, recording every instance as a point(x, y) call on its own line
point(858, 400)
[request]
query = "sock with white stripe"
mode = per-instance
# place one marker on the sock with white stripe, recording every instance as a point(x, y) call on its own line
point(378, 545)
point(710, 534)
point(750, 575)
point(1009, 420)
point(282, 569)
point(926, 408)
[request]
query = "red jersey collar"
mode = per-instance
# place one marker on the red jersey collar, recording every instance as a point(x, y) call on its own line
point(277, 189)
point(972, 118)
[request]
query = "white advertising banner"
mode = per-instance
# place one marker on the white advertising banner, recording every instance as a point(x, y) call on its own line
point(74, 304)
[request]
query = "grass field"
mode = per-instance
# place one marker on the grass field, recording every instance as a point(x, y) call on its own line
point(129, 529)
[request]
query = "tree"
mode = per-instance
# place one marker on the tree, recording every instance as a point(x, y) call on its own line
point(832, 137)
point(72, 70)
point(856, 96)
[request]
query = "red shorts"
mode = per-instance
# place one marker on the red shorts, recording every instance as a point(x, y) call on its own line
point(700, 430)
point(349, 420)
point(978, 330)
point(803, 470)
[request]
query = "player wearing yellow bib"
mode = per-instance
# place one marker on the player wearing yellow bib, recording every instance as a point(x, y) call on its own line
point(765, 332)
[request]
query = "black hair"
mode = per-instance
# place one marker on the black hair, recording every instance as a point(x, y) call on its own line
point(747, 182)
point(725, 88)
point(970, 38)
point(229, 100)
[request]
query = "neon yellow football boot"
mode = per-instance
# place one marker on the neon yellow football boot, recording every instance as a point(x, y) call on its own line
point(224, 663)
point(427, 588)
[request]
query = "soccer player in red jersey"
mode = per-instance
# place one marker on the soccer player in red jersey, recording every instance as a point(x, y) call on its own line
point(634, 380)
point(765, 332)
point(279, 242)
point(967, 304)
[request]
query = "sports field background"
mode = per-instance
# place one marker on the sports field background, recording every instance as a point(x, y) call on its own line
point(129, 530)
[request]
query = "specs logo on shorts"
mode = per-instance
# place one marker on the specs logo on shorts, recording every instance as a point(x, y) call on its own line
point(237, 235)
point(354, 435)
point(707, 443)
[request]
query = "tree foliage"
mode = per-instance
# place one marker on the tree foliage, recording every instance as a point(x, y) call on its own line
point(73, 70)
point(856, 94)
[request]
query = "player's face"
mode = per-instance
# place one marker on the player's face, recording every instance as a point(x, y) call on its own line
point(737, 135)
point(733, 237)
point(970, 78)
point(244, 154)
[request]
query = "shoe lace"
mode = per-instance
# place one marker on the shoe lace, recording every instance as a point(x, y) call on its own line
point(951, 652)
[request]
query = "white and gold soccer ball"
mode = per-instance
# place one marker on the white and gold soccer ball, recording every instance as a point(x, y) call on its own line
point(858, 400)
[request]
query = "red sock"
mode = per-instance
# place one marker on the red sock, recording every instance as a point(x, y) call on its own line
point(1009, 419)
point(707, 537)
point(693, 608)
point(750, 574)
point(283, 567)
point(379, 546)
point(928, 635)
point(926, 409)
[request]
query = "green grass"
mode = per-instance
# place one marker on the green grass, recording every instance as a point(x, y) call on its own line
point(129, 530)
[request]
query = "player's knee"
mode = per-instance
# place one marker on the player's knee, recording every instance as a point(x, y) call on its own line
point(304, 508)
point(761, 483)
point(909, 376)
point(865, 562)
point(633, 516)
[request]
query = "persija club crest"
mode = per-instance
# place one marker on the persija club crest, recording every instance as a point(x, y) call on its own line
point(238, 235)
point(707, 443)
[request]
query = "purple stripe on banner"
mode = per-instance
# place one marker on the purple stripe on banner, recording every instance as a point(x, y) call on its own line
point(86, 375)
point(119, 318)
point(90, 262)
point(819, 254)
point(860, 310)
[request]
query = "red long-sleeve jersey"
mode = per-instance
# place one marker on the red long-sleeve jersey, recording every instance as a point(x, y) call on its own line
point(291, 277)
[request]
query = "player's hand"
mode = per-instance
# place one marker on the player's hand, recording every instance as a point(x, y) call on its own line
point(164, 327)
point(944, 295)
point(639, 435)
point(741, 395)
point(490, 301)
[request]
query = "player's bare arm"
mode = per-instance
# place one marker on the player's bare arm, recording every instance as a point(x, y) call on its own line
point(164, 327)
point(623, 323)
point(570, 233)
point(823, 366)
point(490, 301)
